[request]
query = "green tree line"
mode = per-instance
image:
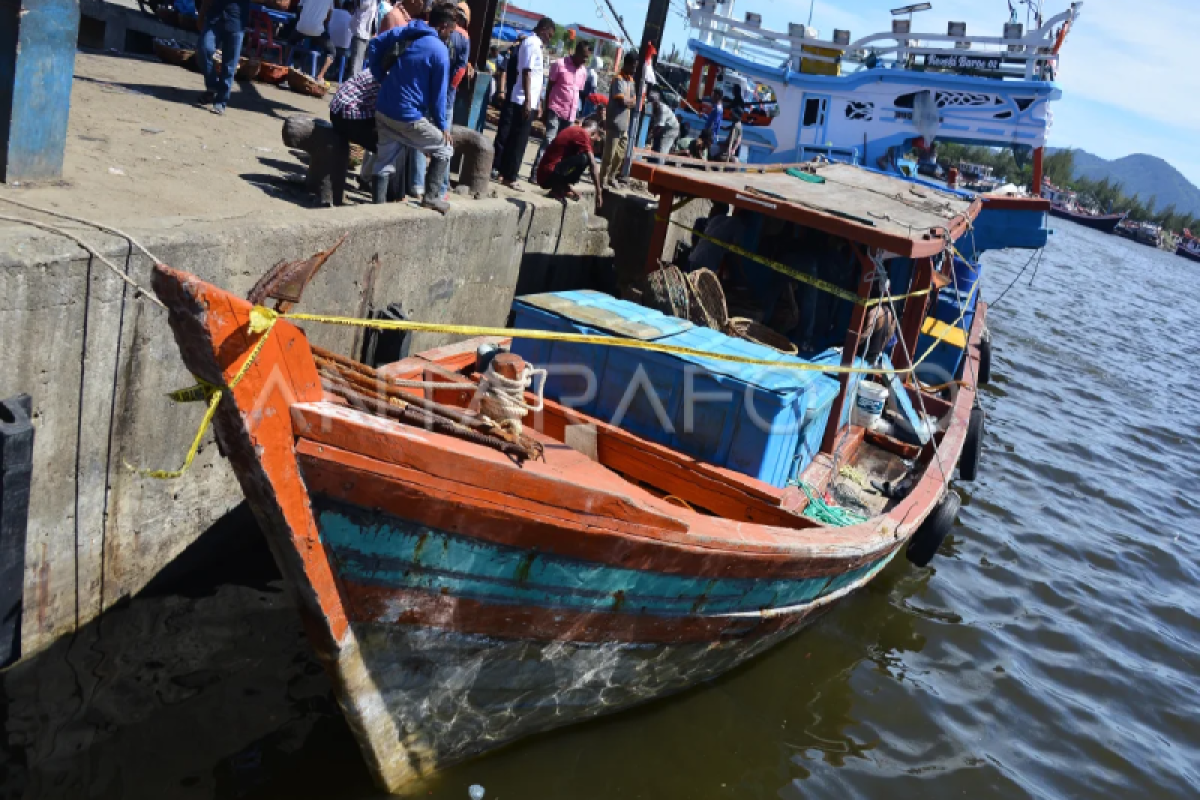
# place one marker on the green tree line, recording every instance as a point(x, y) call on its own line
point(1102, 195)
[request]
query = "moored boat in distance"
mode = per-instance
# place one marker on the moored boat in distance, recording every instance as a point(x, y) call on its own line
point(476, 561)
point(1188, 246)
point(1065, 204)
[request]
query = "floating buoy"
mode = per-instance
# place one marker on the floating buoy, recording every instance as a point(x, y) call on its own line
point(929, 537)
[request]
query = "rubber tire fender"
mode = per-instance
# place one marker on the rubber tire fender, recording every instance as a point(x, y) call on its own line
point(968, 462)
point(984, 375)
point(929, 537)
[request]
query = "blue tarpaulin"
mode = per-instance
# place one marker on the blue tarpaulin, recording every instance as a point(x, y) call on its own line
point(505, 33)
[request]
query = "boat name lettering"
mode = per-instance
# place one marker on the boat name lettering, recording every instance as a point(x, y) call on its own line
point(963, 62)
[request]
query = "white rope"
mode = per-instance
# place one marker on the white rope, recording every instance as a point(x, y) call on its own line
point(83, 221)
point(502, 399)
point(120, 273)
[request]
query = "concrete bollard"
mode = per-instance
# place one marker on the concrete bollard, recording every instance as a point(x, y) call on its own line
point(473, 153)
point(329, 156)
point(16, 472)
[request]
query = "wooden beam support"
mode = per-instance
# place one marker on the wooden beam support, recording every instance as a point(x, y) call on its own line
point(693, 95)
point(914, 315)
point(1038, 171)
point(850, 347)
point(658, 237)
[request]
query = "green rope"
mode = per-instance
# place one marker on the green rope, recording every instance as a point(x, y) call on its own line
point(822, 512)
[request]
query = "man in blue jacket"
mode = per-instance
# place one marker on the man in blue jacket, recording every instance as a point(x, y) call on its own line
point(412, 66)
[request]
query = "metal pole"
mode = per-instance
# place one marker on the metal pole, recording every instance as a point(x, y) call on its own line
point(652, 36)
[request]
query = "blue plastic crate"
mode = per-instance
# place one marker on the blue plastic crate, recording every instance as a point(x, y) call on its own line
point(745, 417)
point(575, 369)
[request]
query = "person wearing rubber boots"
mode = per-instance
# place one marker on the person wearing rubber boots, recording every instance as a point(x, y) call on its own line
point(412, 65)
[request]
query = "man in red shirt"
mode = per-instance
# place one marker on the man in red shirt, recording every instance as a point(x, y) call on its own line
point(566, 158)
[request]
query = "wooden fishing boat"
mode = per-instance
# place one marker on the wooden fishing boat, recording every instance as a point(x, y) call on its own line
point(467, 586)
point(1105, 223)
point(1189, 249)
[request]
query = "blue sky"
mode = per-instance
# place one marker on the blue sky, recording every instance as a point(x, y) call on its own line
point(1129, 74)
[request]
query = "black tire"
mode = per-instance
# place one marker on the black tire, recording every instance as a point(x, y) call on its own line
point(968, 463)
point(985, 359)
point(929, 537)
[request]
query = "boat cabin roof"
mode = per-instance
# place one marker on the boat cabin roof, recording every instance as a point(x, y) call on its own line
point(865, 206)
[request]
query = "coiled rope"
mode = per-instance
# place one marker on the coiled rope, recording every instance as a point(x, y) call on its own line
point(502, 399)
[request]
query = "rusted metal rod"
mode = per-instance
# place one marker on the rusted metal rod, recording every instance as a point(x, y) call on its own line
point(380, 389)
point(419, 417)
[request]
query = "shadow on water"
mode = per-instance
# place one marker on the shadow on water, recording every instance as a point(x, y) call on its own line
point(201, 686)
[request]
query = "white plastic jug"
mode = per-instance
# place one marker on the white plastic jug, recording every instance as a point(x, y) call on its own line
point(868, 403)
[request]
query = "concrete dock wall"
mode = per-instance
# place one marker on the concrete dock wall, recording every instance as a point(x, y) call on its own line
point(97, 361)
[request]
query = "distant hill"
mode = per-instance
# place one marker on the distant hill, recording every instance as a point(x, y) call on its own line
point(1145, 176)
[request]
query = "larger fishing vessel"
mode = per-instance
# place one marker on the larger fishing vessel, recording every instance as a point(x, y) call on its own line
point(870, 100)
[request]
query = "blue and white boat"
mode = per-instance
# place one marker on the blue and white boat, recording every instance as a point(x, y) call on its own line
point(871, 100)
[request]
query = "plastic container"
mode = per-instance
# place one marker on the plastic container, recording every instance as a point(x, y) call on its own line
point(868, 403)
point(575, 379)
point(748, 418)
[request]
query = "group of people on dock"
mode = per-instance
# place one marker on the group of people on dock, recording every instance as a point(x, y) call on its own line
point(405, 64)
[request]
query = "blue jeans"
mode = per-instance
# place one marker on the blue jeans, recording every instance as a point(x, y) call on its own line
point(231, 51)
point(413, 162)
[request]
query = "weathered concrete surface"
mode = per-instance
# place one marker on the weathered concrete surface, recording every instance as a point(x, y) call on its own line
point(98, 361)
point(630, 216)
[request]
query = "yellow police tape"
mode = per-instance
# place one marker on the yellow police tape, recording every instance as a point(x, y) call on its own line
point(262, 321)
point(204, 390)
point(803, 277)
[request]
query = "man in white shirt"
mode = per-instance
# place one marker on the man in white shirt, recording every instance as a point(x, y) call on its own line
point(310, 31)
point(525, 98)
point(364, 24)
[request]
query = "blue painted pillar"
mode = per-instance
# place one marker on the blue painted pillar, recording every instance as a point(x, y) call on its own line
point(37, 65)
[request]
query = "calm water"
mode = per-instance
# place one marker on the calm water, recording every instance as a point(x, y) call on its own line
point(1050, 651)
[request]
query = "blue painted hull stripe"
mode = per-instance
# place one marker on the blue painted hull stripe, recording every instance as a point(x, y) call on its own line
point(394, 553)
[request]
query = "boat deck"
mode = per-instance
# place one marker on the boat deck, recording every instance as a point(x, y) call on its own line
point(905, 218)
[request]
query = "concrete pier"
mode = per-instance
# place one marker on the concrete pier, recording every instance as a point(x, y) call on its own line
point(97, 359)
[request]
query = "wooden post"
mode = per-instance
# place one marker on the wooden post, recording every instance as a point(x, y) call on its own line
point(483, 19)
point(1037, 171)
point(658, 237)
point(710, 82)
point(510, 365)
point(914, 315)
point(850, 347)
point(37, 66)
point(693, 95)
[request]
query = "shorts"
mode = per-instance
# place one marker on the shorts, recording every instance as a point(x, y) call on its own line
point(321, 44)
